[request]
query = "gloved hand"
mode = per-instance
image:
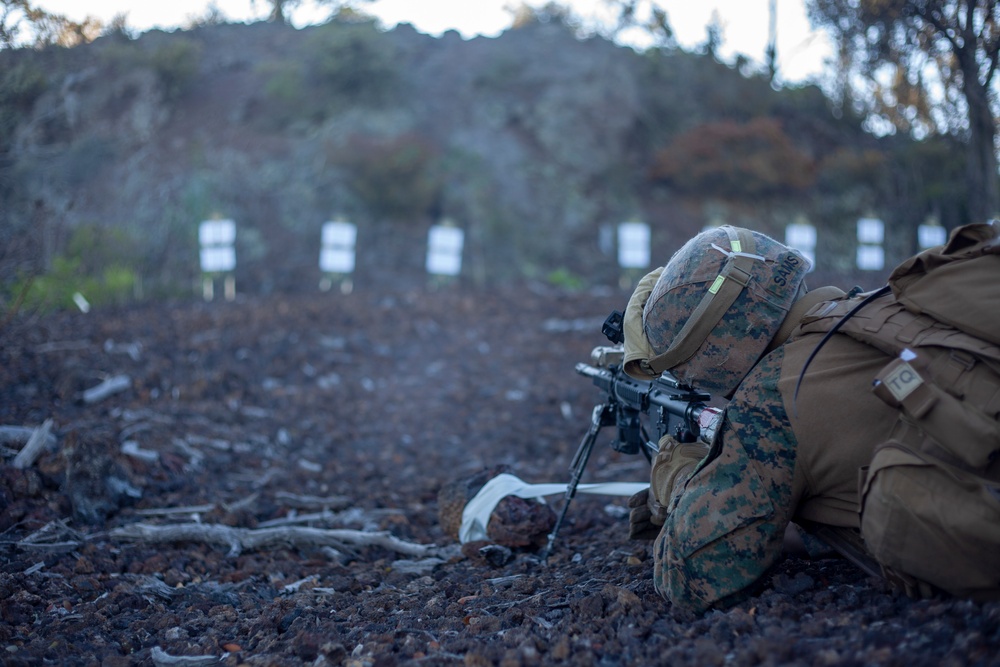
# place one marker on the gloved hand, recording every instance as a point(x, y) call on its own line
point(638, 351)
point(671, 468)
point(646, 516)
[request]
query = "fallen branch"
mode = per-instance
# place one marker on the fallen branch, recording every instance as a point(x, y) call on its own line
point(112, 385)
point(168, 511)
point(60, 547)
point(353, 515)
point(132, 448)
point(240, 504)
point(36, 443)
point(37, 567)
point(17, 435)
point(194, 456)
point(293, 519)
point(294, 587)
point(55, 535)
point(312, 502)
point(214, 443)
point(163, 659)
point(63, 346)
point(133, 350)
point(422, 566)
point(240, 539)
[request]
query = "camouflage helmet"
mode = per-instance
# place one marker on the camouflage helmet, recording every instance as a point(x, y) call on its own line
point(718, 303)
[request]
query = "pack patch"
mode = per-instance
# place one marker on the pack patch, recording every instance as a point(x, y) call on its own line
point(902, 380)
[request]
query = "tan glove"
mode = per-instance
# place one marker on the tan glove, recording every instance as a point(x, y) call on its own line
point(637, 349)
point(643, 522)
point(671, 468)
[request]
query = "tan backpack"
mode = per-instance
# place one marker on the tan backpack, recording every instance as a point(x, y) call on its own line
point(930, 498)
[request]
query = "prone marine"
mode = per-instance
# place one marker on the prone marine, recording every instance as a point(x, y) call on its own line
point(869, 420)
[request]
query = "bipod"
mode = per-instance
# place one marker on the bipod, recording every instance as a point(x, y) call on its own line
point(602, 415)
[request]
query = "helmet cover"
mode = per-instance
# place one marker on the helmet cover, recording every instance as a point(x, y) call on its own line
point(764, 278)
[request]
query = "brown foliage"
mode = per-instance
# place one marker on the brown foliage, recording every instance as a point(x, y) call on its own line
point(848, 167)
point(732, 160)
point(395, 177)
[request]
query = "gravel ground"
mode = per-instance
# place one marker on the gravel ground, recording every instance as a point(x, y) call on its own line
point(293, 448)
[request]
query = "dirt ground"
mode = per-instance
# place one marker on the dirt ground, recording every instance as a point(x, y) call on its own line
point(272, 433)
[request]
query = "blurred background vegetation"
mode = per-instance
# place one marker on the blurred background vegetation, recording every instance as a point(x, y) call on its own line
point(114, 146)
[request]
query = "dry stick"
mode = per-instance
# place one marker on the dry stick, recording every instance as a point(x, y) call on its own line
point(132, 448)
point(238, 539)
point(112, 385)
point(167, 511)
point(358, 516)
point(15, 435)
point(163, 659)
point(291, 520)
point(240, 504)
point(312, 502)
point(194, 456)
point(63, 346)
point(46, 537)
point(33, 449)
point(51, 546)
point(295, 586)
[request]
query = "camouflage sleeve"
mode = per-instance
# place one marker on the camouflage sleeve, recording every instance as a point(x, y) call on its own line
point(726, 528)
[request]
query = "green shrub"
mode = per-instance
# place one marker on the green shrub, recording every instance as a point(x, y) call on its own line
point(354, 64)
point(342, 65)
point(284, 81)
point(95, 264)
point(176, 63)
point(55, 289)
point(284, 85)
point(566, 279)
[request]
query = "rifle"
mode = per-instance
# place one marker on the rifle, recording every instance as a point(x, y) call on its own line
point(677, 409)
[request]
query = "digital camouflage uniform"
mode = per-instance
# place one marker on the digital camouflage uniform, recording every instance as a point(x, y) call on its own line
point(770, 464)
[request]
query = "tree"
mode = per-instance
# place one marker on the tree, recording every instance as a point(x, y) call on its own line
point(19, 18)
point(925, 66)
point(280, 8)
point(644, 15)
point(13, 15)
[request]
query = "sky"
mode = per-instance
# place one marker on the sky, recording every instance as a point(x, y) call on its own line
point(801, 51)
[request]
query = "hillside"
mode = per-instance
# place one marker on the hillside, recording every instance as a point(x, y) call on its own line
point(535, 142)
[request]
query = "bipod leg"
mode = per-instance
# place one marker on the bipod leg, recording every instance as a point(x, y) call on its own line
point(602, 415)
